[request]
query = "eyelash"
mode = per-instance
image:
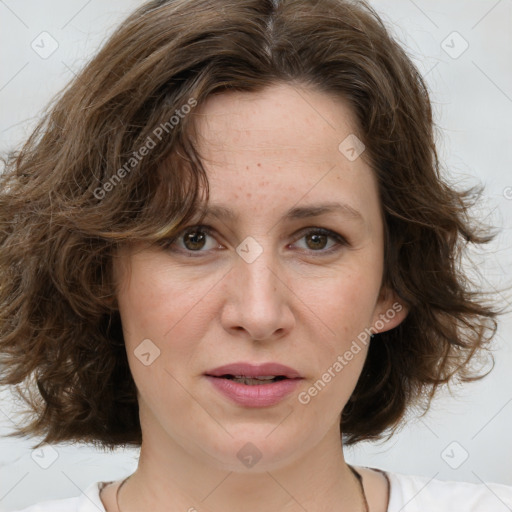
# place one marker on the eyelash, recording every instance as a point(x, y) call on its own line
point(339, 239)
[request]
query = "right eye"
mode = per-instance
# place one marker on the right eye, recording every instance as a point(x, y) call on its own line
point(193, 239)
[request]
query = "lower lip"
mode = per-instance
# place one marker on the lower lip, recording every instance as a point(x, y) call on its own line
point(259, 395)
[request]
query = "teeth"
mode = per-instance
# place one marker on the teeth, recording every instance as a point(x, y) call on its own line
point(266, 377)
point(252, 381)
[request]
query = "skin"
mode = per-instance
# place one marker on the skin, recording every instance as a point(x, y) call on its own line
point(301, 302)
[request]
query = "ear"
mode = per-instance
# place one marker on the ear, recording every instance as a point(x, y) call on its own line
point(389, 312)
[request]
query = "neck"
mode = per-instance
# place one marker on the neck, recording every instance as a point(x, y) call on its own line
point(168, 476)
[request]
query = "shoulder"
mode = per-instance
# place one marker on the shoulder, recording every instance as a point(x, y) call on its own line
point(88, 501)
point(411, 493)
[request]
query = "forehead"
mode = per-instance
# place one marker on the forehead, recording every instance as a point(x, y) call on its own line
point(268, 151)
point(280, 118)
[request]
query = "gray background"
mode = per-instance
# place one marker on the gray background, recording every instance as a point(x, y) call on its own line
point(465, 437)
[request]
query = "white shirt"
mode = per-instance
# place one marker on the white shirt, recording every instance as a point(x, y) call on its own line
point(407, 494)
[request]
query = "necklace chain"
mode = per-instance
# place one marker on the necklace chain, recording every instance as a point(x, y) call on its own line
point(361, 486)
point(356, 474)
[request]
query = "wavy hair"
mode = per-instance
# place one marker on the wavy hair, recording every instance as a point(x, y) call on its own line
point(83, 184)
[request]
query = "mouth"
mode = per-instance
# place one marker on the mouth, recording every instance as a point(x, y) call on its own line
point(249, 385)
point(252, 381)
point(252, 374)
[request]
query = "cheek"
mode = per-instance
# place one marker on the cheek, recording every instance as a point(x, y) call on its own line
point(161, 321)
point(173, 311)
point(160, 305)
point(339, 354)
point(344, 302)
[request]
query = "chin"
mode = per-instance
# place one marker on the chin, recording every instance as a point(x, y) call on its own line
point(253, 448)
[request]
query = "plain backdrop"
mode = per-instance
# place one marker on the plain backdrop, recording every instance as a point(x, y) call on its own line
point(464, 49)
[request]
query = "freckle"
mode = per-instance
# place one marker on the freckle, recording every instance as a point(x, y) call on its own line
point(247, 167)
point(259, 165)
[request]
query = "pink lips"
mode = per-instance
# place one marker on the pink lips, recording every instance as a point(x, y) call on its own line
point(256, 395)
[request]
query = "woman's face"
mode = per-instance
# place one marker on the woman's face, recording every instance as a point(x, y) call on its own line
point(288, 271)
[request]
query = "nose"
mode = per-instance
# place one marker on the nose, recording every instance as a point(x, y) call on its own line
point(258, 299)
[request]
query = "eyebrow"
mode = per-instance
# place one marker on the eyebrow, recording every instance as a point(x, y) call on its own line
point(297, 212)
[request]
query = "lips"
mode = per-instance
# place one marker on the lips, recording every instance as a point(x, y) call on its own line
point(247, 370)
point(249, 385)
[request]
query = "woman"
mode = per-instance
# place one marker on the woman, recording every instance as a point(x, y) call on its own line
point(221, 244)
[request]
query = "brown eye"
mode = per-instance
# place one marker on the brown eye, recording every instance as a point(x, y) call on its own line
point(321, 240)
point(316, 241)
point(194, 240)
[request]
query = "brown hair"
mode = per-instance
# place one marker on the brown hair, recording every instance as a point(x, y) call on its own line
point(82, 185)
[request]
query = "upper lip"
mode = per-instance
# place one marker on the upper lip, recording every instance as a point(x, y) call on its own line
point(255, 370)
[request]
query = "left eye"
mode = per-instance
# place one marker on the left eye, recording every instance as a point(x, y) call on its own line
point(316, 240)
